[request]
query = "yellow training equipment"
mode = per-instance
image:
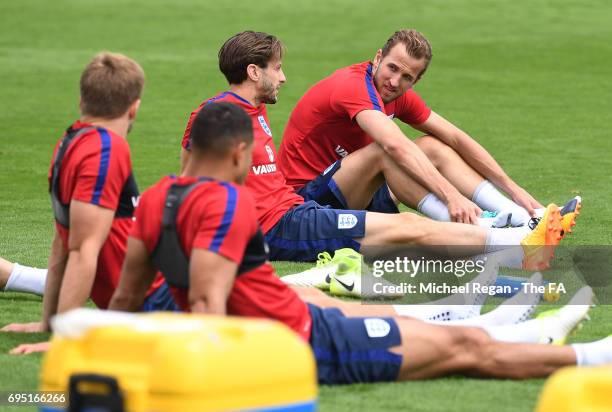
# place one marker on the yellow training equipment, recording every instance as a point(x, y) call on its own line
point(575, 389)
point(167, 362)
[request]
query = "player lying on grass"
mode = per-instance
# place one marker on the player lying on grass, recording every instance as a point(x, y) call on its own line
point(298, 230)
point(93, 194)
point(202, 233)
point(342, 148)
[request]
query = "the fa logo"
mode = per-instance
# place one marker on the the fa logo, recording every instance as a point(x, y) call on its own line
point(270, 153)
point(377, 328)
point(346, 221)
point(264, 125)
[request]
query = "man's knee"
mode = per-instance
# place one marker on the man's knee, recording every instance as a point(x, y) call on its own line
point(435, 150)
point(417, 228)
point(371, 154)
point(470, 345)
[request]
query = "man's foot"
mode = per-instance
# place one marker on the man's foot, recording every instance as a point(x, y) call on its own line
point(318, 277)
point(558, 324)
point(353, 278)
point(521, 306)
point(539, 245)
point(569, 213)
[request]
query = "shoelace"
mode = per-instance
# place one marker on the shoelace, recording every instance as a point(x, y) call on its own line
point(323, 258)
point(533, 222)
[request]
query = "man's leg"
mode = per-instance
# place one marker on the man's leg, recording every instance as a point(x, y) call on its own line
point(471, 184)
point(429, 351)
point(308, 229)
point(18, 278)
point(365, 171)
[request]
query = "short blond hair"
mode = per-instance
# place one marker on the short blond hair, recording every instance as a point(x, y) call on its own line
point(417, 45)
point(110, 84)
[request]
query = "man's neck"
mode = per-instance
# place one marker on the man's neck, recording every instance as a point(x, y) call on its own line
point(247, 92)
point(213, 168)
point(119, 125)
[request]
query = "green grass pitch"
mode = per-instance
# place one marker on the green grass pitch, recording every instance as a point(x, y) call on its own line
point(526, 78)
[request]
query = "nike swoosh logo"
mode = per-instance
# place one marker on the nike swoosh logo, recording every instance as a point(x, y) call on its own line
point(347, 287)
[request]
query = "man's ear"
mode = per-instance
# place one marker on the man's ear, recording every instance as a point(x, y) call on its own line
point(377, 59)
point(134, 109)
point(239, 152)
point(253, 72)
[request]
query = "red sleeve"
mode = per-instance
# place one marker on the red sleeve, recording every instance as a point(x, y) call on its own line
point(354, 93)
point(227, 222)
point(185, 143)
point(411, 108)
point(104, 165)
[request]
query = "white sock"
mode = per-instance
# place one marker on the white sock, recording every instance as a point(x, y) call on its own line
point(593, 353)
point(487, 197)
point(525, 332)
point(502, 238)
point(26, 279)
point(436, 312)
point(434, 208)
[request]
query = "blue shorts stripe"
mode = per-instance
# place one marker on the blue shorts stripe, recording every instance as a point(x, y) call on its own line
point(372, 89)
point(228, 216)
point(105, 141)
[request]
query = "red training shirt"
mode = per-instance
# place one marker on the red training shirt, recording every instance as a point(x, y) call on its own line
point(97, 169)
point(220, 217)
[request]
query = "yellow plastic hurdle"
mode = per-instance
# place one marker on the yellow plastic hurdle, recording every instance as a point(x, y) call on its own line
point(575, 389)
point(167, 362)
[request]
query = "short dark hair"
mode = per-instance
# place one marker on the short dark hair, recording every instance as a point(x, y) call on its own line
point(218, 126)
point(110, 83)
point(247, 47)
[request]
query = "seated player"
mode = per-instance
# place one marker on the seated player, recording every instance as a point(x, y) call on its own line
point(202, 233)
point(297, 230)
point(93, 194)
point(342, 148)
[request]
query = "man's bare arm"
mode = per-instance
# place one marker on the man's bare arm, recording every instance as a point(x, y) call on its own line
point(137, 275)
point(410, 158)
point(211, 277)
point(89, 228)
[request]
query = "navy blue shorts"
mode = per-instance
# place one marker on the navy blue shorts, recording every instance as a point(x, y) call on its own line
point(351, 349)
point(161, 299)
point(308, 229)
point(325, 191)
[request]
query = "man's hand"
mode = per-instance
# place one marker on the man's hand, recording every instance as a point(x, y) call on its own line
point(31, 327)
point(522, 198)
point(26, 348)
point(463, 210)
